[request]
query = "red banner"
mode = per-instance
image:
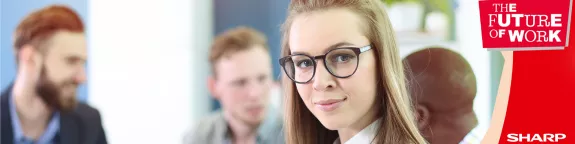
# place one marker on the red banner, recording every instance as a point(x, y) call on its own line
point(542, 95)
point(524, 24)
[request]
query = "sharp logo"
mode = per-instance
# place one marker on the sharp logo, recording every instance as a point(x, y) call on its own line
point(546, 137)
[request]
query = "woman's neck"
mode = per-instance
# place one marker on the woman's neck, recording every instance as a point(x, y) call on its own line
point(346, 134)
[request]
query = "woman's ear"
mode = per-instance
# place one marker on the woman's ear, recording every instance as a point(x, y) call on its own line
point(423, 117)
point(212, 87)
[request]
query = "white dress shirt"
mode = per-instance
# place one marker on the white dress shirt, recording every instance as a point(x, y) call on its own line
point(365, 136)
point(475, 136)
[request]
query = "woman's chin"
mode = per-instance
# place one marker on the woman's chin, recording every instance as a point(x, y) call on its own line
point(333, 124)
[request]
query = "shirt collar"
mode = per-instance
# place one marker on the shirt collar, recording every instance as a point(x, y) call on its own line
point(365, 136)
point(47, 137)
point(265, 130)
point(475, 135)
point(228, 135)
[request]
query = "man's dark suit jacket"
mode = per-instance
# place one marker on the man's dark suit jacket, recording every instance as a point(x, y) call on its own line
point(81, 126)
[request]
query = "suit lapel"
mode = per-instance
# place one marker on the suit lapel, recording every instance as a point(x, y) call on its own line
point(6, 122)
point(69, 128)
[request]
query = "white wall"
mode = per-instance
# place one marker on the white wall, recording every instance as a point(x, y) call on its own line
point(471, 47)
point(147, 67)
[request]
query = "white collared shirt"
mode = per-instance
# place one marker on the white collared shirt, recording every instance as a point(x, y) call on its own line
point(475, 136)
point(365, 136)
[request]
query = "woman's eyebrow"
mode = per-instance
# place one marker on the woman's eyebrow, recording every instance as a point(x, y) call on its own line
point(333, 46)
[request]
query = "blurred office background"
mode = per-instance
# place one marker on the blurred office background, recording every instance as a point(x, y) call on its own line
point(148, 59)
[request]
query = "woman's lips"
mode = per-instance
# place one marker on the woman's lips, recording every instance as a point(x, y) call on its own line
point(329, 104)
point(254, 111)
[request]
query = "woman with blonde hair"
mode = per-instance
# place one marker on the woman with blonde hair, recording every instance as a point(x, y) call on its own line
point(344, 81)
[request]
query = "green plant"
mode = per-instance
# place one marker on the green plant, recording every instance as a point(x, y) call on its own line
point(443, 6)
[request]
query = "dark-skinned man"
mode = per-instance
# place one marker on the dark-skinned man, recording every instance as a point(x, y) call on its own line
point(443, 87)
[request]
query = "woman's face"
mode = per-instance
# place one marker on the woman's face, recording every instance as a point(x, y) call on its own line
point(336, 102)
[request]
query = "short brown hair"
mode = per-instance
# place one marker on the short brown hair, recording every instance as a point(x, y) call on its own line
point(234, 40)
point(40, 25)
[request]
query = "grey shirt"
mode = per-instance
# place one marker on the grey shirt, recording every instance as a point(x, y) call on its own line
point(214, 130)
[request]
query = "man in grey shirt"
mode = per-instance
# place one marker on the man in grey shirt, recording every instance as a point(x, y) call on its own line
point(241, 82)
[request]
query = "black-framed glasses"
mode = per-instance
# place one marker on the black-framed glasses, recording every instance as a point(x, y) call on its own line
point(339, 62)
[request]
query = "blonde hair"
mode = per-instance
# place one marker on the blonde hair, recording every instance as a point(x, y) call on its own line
point(398, 124)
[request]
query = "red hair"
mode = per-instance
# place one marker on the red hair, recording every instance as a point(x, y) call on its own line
point(40, 25)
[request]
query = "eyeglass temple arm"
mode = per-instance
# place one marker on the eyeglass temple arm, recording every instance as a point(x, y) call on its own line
point(365, 48)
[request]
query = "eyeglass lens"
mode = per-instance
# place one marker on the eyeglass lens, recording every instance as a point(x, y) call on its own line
point(339, 62)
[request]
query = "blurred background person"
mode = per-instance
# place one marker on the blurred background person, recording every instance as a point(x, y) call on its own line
point(40, 105)
point(241, 81)
point(344, 80)
point(443, 87)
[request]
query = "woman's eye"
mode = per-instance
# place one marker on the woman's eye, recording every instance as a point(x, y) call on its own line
point(342, 58)
point(303, 63)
